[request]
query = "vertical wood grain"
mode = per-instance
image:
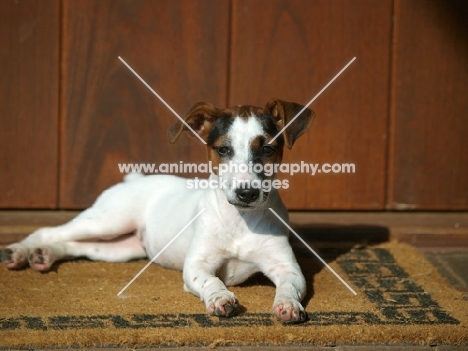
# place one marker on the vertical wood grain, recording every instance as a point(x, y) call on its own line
point(29, 56)
point(109, 117)
point(429, 158)
point(290, 50)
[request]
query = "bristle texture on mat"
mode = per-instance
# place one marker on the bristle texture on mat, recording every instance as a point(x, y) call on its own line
point(401, 299)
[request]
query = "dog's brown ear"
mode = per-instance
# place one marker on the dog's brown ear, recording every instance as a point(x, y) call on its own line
point(283, 112)
point(200, 118)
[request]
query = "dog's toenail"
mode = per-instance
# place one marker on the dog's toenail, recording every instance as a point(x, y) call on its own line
point(31, 257)
point(39, 251)
point(8, 251)
point(40, 260)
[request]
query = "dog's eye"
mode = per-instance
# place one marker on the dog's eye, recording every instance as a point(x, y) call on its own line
point(268, 151)
point(223, 151)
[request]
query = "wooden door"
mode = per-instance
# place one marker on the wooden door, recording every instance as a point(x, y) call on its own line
point(29, 78)
point(71, 111)
point(429, 156)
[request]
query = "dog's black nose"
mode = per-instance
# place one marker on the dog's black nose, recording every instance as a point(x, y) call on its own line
point(248, 195)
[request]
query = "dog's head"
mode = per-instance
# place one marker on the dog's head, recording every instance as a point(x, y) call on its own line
point(238, 144)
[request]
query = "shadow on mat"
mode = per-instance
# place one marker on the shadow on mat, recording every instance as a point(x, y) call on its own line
point(330, 242)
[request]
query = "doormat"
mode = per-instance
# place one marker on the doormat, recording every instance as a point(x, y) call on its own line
point(400, 299)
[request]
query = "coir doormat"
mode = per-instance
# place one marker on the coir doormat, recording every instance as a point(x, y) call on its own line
point(401, 299)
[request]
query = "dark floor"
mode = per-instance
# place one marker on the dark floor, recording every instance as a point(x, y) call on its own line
point(453, 265)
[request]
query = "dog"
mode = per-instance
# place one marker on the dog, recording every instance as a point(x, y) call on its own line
point(235, 237)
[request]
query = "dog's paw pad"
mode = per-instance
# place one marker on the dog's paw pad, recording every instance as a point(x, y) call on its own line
point(222, 304)
point(14, 257)
point(289, 311)
point(40, 259)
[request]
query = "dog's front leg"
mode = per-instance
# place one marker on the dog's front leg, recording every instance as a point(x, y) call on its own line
point(290, 290)
point(200, 280)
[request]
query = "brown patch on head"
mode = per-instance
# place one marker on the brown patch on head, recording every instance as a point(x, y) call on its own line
point(245, 111)
point(256, 144)
point(277, 158)
point(264, 153)
point(271, 130)
point(213, 152)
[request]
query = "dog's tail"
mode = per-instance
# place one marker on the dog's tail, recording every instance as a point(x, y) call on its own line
point(133, 176)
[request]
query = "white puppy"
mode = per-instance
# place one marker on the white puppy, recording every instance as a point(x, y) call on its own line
point(236, 235)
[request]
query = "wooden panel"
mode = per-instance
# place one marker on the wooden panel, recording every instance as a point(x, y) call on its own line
point(109, 117)
point(29, 103)
point(429, 163)
point(290, 50)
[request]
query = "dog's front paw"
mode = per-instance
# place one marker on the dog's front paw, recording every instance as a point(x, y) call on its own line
point(14, 257)
point(289, 311)
point(222, 304)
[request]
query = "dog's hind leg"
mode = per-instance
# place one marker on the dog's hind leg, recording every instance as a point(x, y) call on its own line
point(121, 249)
point(116, 212)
